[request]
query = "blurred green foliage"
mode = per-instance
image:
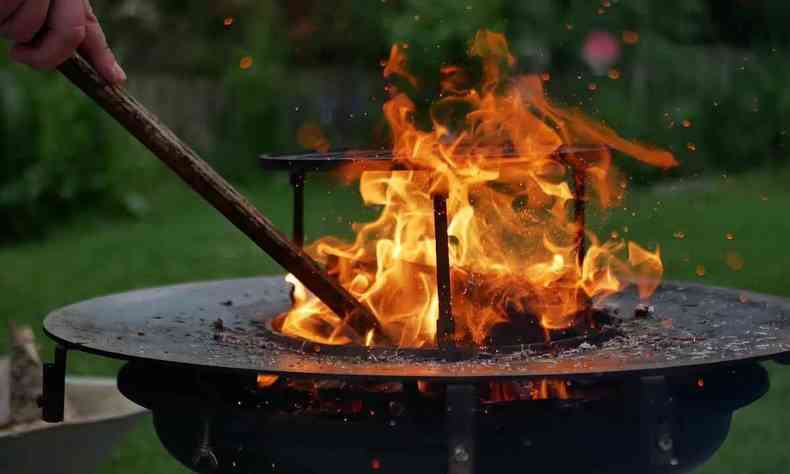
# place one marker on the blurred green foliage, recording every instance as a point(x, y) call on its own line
point(718, 64)
point(58, 153)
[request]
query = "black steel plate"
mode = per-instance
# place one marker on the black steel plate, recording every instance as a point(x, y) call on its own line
point(694, 327)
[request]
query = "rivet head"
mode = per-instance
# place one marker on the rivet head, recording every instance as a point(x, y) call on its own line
point(665, 443)
point(461, 454)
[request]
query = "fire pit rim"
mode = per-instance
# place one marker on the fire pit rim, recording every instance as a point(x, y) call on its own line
point(65, 327)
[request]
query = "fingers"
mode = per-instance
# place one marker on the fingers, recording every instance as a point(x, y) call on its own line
point(47, 32)
point(97, 51)
point(26, 21)
point(65, 30)
point(8, 8)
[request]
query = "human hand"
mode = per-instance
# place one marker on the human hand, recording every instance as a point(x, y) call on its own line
point(45, 33)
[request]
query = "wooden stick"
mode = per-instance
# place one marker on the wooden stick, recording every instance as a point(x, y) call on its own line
point(202, 178)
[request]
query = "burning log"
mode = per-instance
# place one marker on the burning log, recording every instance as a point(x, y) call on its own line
point(199, 175)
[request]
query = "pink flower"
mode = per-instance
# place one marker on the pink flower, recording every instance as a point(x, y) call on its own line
point(600, 51)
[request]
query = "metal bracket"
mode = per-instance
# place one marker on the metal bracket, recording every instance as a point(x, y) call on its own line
point(53, 398)
point(445, 325)
point(462, 408)
point(656, 419)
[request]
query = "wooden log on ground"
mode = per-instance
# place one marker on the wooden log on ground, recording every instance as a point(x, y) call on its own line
point(25, 378)
point(25, 375)
point(5, 394)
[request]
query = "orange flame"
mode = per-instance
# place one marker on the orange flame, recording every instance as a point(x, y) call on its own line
point(542, 389)
point(514, 242)
point(266, 381)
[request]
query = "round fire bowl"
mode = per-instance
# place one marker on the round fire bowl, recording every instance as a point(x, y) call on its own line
point(638, 426)
point(223, 326)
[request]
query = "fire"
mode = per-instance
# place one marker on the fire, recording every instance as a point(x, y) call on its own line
point(515, 242)
point(264, 381)
point(543, 389)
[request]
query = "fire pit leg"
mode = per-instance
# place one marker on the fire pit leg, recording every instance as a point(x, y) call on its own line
point(656, 409)
point(445, 326)
point(297, 179)
point(204, 459)
point(462, 408)
point(53, 398)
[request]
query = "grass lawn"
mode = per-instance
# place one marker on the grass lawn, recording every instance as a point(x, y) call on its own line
point(181, 240)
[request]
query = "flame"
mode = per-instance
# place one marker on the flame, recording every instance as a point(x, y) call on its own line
point(494, 151)
point(266, 381)
point(542, 389)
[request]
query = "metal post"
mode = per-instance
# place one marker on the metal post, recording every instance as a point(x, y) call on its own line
point(580, 211)
point(53, 398)
point(445, 325)
point(297, 179)
point(462, 408)
point(656, 421)
point(580, 217)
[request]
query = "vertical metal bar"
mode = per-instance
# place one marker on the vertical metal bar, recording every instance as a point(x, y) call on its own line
point(462, 409)
point(656, 421)
point(580, 217)
point(445, 325)
point(580, 211)
point(54, 387)
point(297, 179)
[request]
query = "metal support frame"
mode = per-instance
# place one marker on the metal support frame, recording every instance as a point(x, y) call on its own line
point(578, 167)
point(657, 407)
point(445, 326)
point(297, 180)
point(204, 459)
point(53, 399)
point(580, 211)
point(462, 408)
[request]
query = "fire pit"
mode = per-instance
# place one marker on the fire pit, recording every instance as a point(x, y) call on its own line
point(476, 326)
point(231, 393)
point(236, 398)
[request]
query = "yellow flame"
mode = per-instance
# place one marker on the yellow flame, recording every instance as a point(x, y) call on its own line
point(513, 235)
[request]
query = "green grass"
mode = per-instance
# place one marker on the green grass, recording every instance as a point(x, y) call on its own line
point(182, 239)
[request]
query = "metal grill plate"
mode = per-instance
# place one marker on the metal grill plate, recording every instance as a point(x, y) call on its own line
point(694, 327)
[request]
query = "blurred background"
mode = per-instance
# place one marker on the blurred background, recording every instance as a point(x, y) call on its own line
point(85, 211)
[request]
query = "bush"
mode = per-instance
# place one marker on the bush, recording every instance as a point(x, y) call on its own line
point(59, 153)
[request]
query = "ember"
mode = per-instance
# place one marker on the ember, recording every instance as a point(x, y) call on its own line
point(516, 246)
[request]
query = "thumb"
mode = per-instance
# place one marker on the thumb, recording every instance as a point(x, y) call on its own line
point(97, 51)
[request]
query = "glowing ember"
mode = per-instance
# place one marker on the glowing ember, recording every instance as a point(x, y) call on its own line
point(630, 37)
point(734, 261)
point(543, 389)
point(514, 242)
point(265, 381)
point(700, 270)
point(246, 62)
